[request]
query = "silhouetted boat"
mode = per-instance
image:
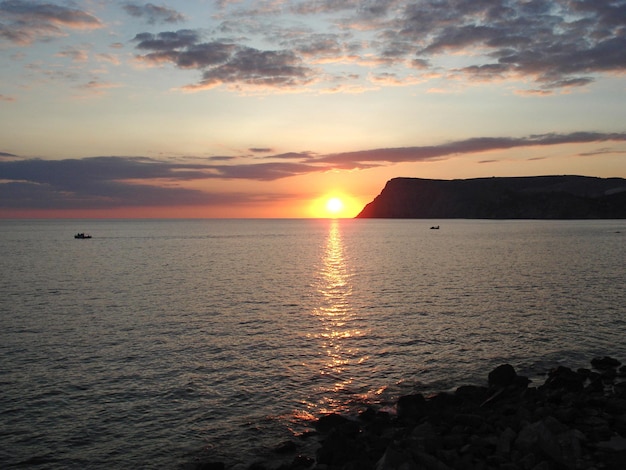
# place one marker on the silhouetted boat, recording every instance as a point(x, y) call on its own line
point(82, 235)
point(435, 227)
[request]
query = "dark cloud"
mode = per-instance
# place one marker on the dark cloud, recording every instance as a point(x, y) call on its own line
point(260, 150)
point(601, 151)
point(557, 43)
point(221, 158)
point(324, 6)
point(223, 62)
point(259, 68)
point(114, 182)
point(302, 156)
point(8, 157)
point(106, 182)
point(320, 45)
point(23, 22)
point(475, 145)
point(551, 44)
point(111, 182)
point(153, 14)
point(183, 49)
point(167, 41)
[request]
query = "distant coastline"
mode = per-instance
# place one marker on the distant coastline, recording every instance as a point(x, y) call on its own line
point(532, 197)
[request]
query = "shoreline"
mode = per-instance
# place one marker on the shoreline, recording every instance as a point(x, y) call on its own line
point(574, 420)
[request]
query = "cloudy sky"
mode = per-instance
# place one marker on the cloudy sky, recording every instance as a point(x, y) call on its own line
point(229, 108)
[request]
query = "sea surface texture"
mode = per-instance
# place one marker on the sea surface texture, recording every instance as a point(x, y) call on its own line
point(156, 344)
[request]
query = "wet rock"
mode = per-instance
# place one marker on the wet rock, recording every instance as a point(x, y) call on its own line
point(301, 462)
point(339, 449)
point(411, 406)
point(575, 420)
point(505, 441)
point(469, 420)
point(502, 376)
point(329, 422)
point(616, 444)
point(430, 462)
point(604, 363)
point(620, 389)
point(564, 379)
point(396, 458)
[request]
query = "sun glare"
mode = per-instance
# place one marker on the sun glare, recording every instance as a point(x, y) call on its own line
point(334, 205)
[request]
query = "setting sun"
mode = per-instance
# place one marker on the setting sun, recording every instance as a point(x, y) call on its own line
point(334, 205)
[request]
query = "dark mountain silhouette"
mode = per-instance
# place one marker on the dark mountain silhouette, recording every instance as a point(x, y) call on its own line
point(532, 197)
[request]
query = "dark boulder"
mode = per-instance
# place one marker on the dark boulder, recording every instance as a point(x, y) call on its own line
point(605, 363)
point(472, 393)
point(564, 378)
point(339, 450)
point(329, 422)
point(502, 376)
point(411, 406)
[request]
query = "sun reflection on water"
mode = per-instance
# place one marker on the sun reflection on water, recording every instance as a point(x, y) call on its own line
point(339, 328)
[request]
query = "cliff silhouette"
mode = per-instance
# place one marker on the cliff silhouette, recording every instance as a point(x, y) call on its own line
point(531, 197)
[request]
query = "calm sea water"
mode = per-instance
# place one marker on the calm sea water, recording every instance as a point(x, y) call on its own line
point(160, 342)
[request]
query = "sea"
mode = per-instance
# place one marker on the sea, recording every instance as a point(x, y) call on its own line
point(164, 343)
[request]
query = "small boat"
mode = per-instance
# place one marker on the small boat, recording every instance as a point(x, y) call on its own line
point(435, 227)
point(82, 235)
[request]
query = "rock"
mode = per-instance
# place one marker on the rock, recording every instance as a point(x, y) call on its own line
point(411, 406)
point(469, 419)
point(604, 363)
point(430, 462)
point(340, 449)
point(571, 450)
point(543, 465)
point(502, 376)
point(329, 422)
point(471, 393)
point(564, 378)
point(396, 459)
point(615, 444)
point(558, 425)
point(302, 462)
point(505, 441)
point(620, 389)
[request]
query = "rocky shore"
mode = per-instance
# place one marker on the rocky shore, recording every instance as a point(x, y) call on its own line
point(575, 420)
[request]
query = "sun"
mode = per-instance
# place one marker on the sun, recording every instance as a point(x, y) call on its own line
point(334, 205)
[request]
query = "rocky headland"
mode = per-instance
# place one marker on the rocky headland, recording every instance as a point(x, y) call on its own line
point(576, 419)
point(533, 197)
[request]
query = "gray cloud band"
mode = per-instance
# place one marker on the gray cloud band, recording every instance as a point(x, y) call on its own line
point(112, 182)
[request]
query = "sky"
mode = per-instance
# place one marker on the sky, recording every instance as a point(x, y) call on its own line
point(235, 108)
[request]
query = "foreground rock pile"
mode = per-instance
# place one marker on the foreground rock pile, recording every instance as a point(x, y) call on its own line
point(575, 420)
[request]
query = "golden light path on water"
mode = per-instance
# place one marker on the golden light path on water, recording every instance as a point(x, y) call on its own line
point(339, 326)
